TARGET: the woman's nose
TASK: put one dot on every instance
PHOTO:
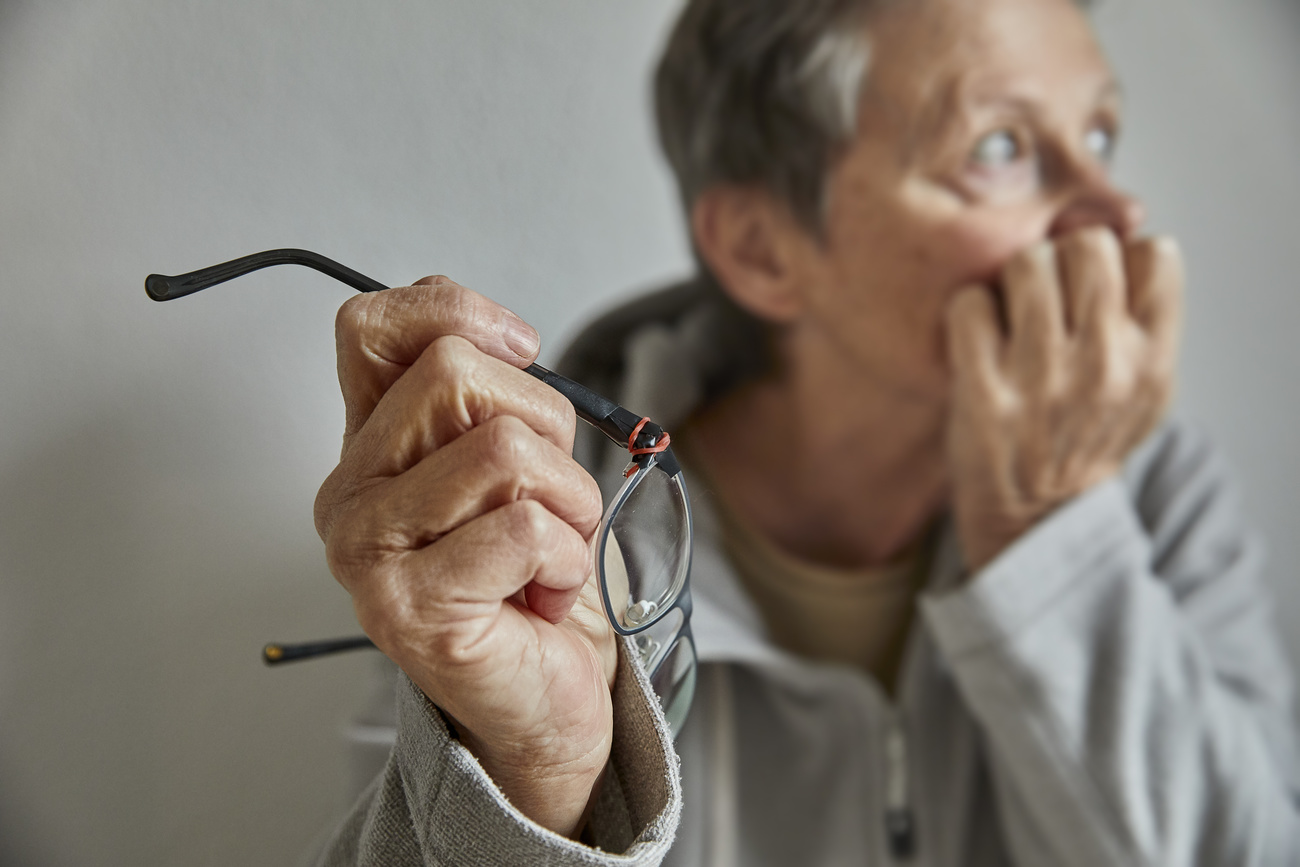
(1096, 201)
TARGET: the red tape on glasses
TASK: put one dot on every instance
(655, 449)
(652, 450)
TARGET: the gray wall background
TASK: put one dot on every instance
(158, 462)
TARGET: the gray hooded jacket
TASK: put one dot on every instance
(1109, 691)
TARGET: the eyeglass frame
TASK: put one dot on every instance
(647, 442)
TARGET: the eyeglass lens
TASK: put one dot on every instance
(674, 682)
(645, 552)
(644, 560)
(667, 651)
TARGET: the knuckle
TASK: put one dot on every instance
(381, 614)
(1113, 394)
(1049, 381)
(447, 647)
(1087, 241)
(1058, 385)
(360, 541)
(1024, 267)
(1109, 384)
(448, 353)
(329, 500)
(1003, 404)
(352, 319)
(529, 523)
(505, 441)
(568, 421)
(989, 398)
(446, 361)
(345, 551)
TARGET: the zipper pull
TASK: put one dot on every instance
(900, 827)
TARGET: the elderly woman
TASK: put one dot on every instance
(959, 597)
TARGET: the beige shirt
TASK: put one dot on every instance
(859, 617)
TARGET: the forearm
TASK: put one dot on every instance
(434, 804)
(1109, 723)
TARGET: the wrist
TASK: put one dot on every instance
(553, 790)
(988, 530)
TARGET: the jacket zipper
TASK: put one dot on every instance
(900, 828)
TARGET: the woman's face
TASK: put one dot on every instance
(985, 126)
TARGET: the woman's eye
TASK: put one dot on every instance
(996, 149)
(1100, 143)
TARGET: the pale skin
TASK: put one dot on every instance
(976, 328)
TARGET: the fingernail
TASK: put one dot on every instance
(521, 337)
(1168, 245)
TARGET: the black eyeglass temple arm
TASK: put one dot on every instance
(608, 417)
(600, 412)
(161, 287)
(275, 654)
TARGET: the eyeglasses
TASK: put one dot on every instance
(643, 546)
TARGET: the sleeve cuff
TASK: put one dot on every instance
(1090, 539)
(461, 816)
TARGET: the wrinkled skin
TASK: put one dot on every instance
(460, 523)
(977, 328)
(1051, 405)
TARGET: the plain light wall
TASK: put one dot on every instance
(158, 462)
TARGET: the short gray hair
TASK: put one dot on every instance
(763, 93)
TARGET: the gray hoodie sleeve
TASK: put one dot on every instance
(434, 805)
(1122, 663)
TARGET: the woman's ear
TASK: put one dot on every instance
(754, 248)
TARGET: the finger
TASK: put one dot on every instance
(501, 461)
(1155, 279)
(1092, 270)
(548, 603)
(974, 338)
(380, 334)
(1031, 289)
(452, 593)
(495, 556)
(450, 389)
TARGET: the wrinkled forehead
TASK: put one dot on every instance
(931, 57)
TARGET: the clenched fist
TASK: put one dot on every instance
(459, 522)
(1052, 393)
